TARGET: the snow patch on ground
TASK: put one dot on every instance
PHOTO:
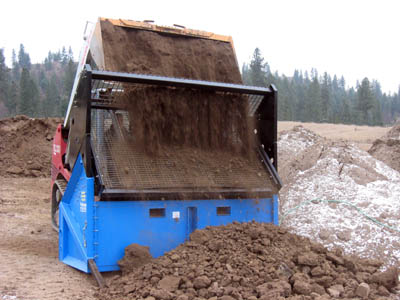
(340, 171)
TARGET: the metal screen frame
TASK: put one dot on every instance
(263, 110)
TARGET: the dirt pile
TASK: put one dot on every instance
(318, 168)
(168, 55)
(252, 261)
(291, 146)
(26, 146)
(387, 148)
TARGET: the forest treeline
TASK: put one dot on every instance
(36, 90)
(43, 90)
(314, 97)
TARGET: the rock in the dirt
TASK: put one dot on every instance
(135, 256)
(363, 290)
(15, 170)
(382, 291)
(161, 294)
(302, 287)
(199, 236)
(336, 259)
(389, 278)
(336, 290)
(274, 289)
(175, 257)
(344, 235)
(324, 234)
(299, 277)
(169, 283)
(309, 259)
(318, 289)
(201, 282)
(226, 297)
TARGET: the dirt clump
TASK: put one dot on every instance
(268, 264)
(135, 256)
(387, 148)
(26, 146)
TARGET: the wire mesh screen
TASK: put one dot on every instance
(123, 162)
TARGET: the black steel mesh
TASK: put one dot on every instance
(124, 165)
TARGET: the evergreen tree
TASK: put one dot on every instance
(25, 100)
(326, 114)
(34, 101)
(313, 103)
(23, 58)
(246, 74)
(15, 66)
(70, 54)
(68, 81)
(258, 69)
(64, 56)
(13, 96)
(365, 100)
(51, 99)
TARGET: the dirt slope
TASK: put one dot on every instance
(25, 146)
(387, 148)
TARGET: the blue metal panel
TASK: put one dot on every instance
(76, 219)
(101, 230)
(121, 223)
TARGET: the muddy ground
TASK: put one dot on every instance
(29, 266)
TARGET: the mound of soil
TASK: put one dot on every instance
(291, 144)
(148, 52)
(26, 146)
(387, 149)
(321, 169)
(251, 261)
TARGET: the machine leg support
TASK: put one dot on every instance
(95, 271)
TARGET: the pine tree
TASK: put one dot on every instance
(51, 99)
(25, 100)
(23, 58)
(34, 94)
(70, 54)
(15, 66)
(13, 96)
(246, 74)
(64, 56)
(68, 82)
(365, 100)
(326, 114)
(258, 69)
(313, 101)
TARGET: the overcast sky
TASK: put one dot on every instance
(352, 38)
